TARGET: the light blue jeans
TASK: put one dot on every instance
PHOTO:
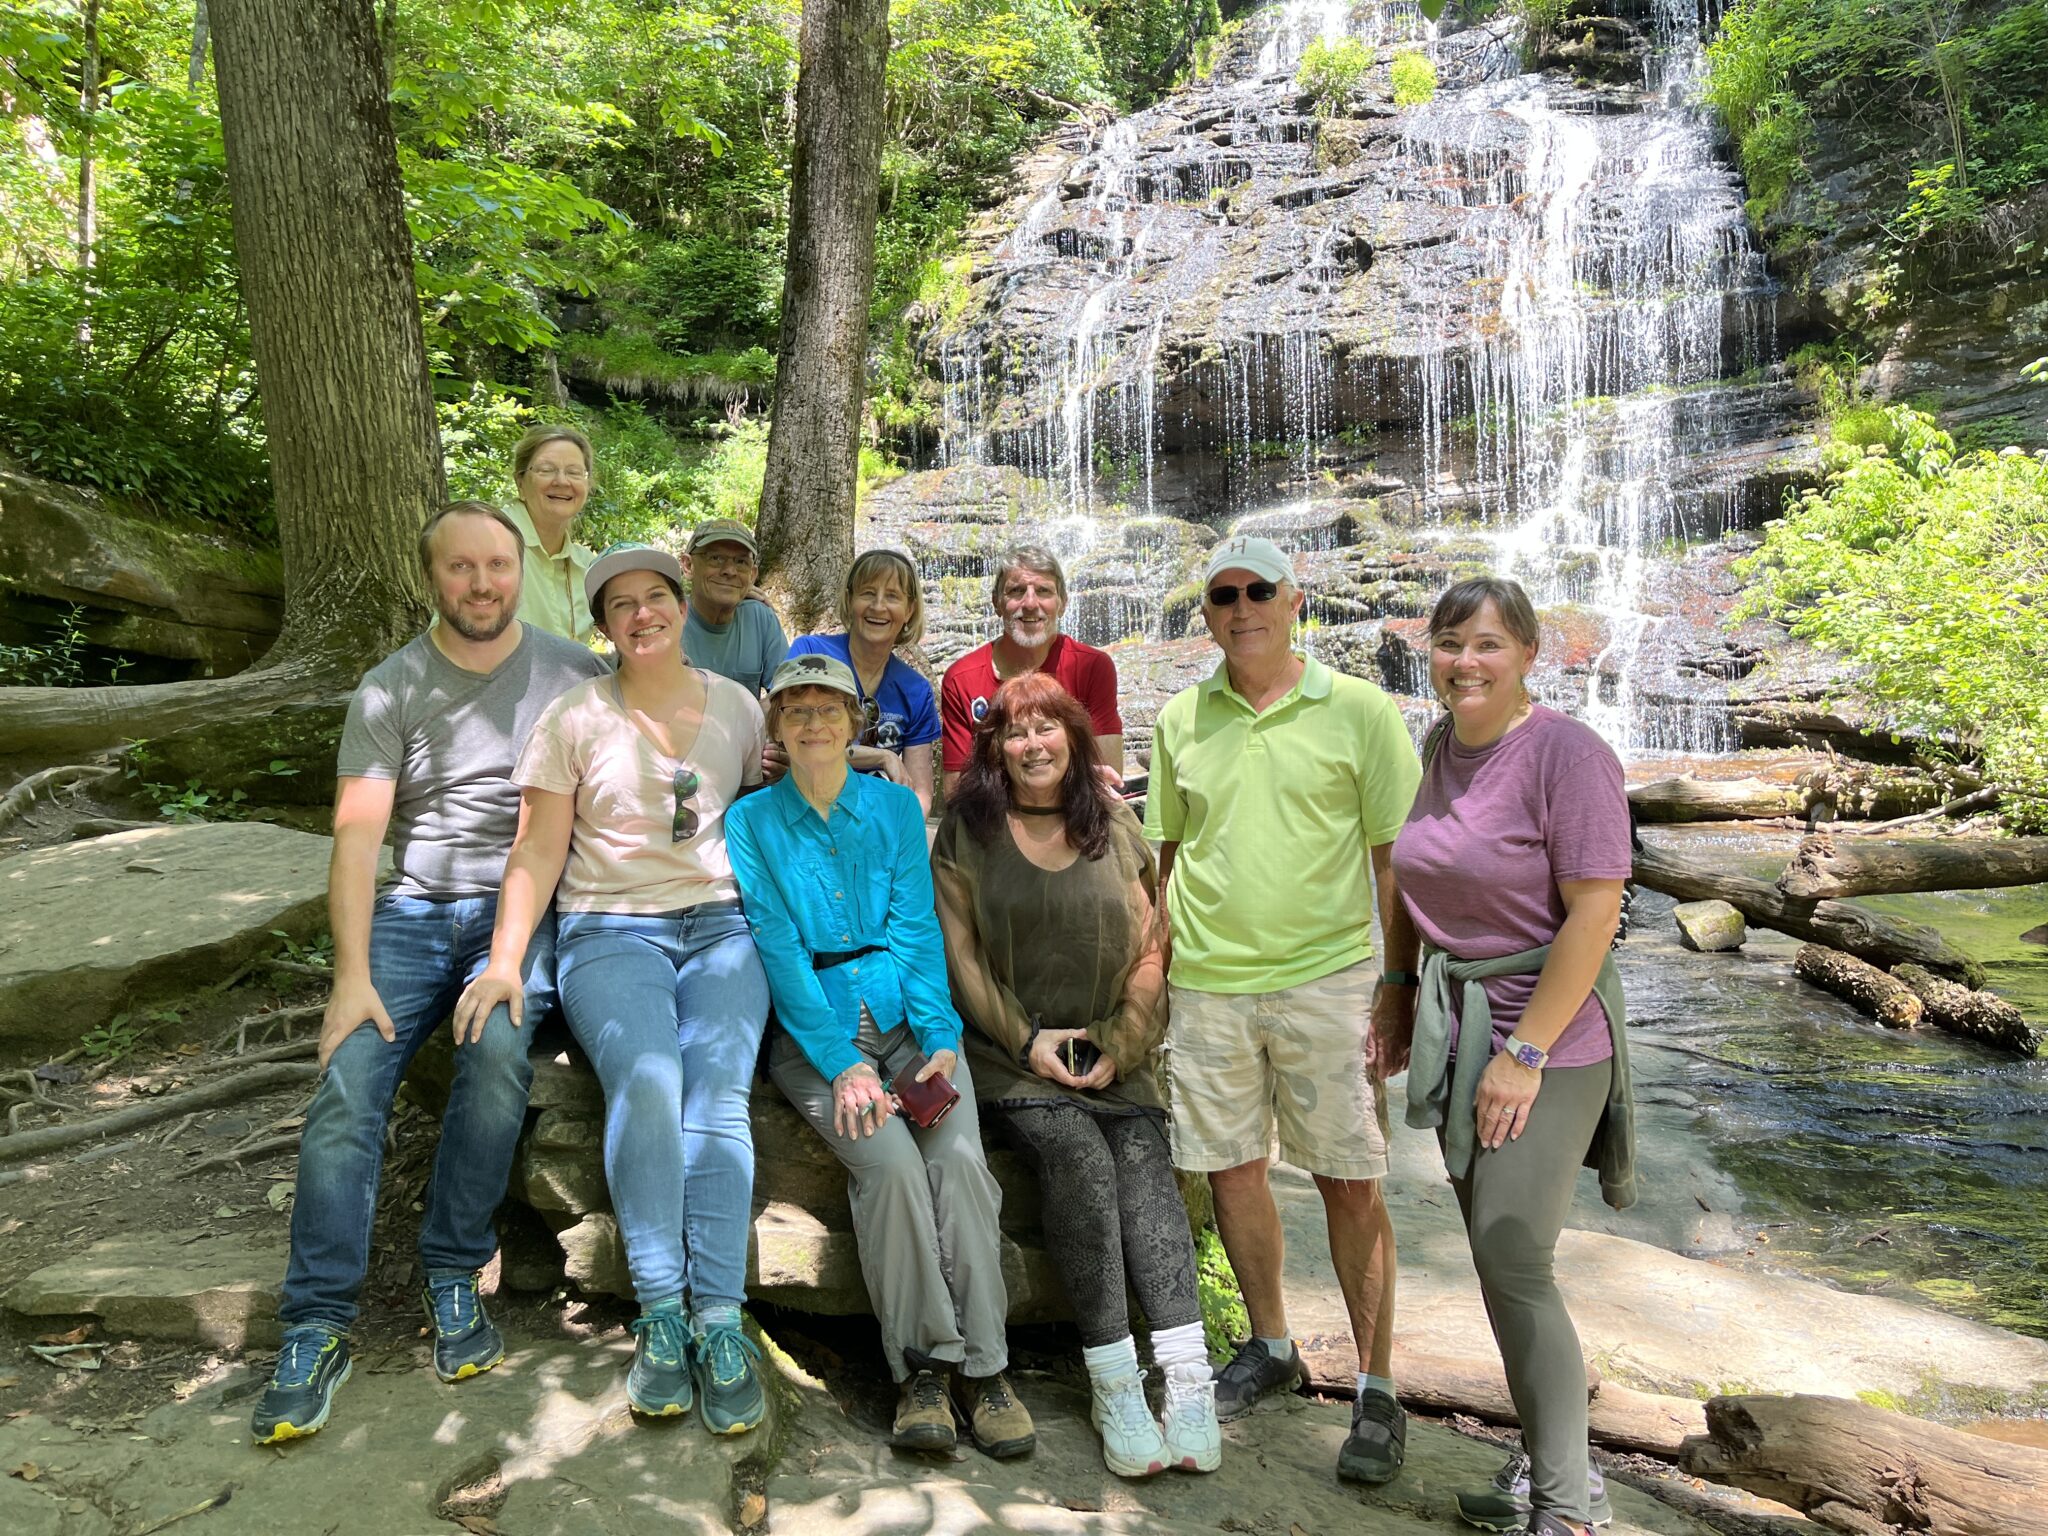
(670, 1008)
(422, 954)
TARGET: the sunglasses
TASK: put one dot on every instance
(1254, 591)
(684, 827)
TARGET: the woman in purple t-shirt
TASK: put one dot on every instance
(1510, 871)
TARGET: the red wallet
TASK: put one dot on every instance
(924, 1104)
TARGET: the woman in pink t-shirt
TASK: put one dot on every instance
(1510, 871)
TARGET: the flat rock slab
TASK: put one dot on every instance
(1278, 1477)
(545, 1442)
(88, 929)
(215, 1290)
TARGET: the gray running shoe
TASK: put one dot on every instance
(1253, 1374)
(1378, 1442)
(1504, 1506)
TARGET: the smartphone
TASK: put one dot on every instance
(1079, 1056)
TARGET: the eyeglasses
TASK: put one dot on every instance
(558, 472)
(801, 715)
(684, 827)
(739, 562)
(1254, 591)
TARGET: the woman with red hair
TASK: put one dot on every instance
(1046, 897)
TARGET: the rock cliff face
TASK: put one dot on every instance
(1521, 327)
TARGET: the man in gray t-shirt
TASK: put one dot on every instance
(427, 752)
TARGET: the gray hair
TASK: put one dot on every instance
(1027, 557)
(449, 509)
(1466, 598)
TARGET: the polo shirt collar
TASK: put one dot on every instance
(1314, 683)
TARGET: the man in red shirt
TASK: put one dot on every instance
(1029, 594)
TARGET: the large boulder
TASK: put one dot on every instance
(160, 1285)
(163, 587)
(90, 928)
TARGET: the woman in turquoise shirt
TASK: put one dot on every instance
(837, 883)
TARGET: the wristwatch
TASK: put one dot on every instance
(1398, 979)
(1532, 1057)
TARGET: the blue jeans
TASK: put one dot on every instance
(422, 954)
(670, 1008)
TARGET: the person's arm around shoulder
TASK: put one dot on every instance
(911, 931)
(362, 812)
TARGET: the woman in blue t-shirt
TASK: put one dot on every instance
(882, 607)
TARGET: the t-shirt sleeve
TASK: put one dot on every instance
(954, 724)
(1389, 770)
(808, 645)
(1098, 693)
(372, 739)
(548, 760)
(773, 643)
(1166, 813)
(922, 727)
(1587, 831)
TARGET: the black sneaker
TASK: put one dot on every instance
(1378, 1442)
(1505, 1506)
(465, 1342)
(312, 1363)
(1252, 1374)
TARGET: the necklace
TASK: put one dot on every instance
(1038, 810)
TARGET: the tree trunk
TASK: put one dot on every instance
(1827, 866)
(1984, 1017)
(327, 274)
(1854, 1467)
(1890, 1002)
(1689, 799)
(195, 67)
(1880, 940)
(806, 522)
(88, 113)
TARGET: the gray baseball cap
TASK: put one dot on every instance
(621, 558)
(1249, 552)
(814, 671)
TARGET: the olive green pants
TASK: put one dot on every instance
(1514, 1203)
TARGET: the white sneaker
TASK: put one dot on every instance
(1194, 1440)
(1131, 1445)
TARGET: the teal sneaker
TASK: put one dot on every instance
(465, 1342)
(723, 1361)
(311, 1364)
(1505, 1506)
(658, 1385)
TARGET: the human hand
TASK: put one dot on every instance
(1101, 1075)
(774, 762)
(1391, 1031)
(1110, 775)
(353, 1003)
(1048, 1058)
(939, 1061)
(473, 1008)
(1507, 1090)
(859, 1102)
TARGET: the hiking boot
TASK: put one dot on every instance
(311, 1363)
(1504, 1505)
(924, 1421)
(1001, 1425)
(658, 1385)
(1543, 1523)
(1378, 1441)
(1194, 1440)
(722, 1361)
(1131, 1443)
(1253, 1374)
(465, 1343)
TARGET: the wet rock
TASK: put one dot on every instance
(220, 1291)
(1709, 926)
(90, 928)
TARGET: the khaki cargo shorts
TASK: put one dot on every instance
(1243, 1066)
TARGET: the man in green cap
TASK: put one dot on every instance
(728, 632)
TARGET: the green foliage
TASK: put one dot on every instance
(58, 663)
(1224, 1319)
(1414, 79)
(1330, 72)
(118, 1038)
(1930, 569)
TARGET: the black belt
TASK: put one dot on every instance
(832, 957)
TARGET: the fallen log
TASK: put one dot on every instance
(1826, 867)
(1981, 1016)
(1689, 799)
(1892, 1003)
(1883, 941)
(267, 1078)
(1858, 1468)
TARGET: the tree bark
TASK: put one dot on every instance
(1984, 1017)
(1890, 1002)
(807, 495)
(327, 274)
(88, 112)
(1854, 1467)
(1880, 940)
(1689, 799)
(195, 66)
(1826, 866)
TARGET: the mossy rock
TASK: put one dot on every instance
(284, 758)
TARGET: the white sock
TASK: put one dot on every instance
(1368, 1382)
(1106, 1362)
(1279, 1348)
(1181, 1350)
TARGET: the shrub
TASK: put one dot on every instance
(1414, 79)
(1330, 72)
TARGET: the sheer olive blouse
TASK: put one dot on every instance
(1066, 949)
